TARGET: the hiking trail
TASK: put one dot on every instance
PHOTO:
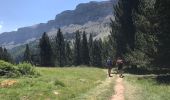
(119, 89)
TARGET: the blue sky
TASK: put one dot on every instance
(20, 13)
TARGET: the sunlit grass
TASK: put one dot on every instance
(142, 88)
(54, 84)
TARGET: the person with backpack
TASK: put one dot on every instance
(109, 66)
(119, 63)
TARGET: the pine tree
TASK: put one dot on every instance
(108, 49)
(162, 8)
(123, 29)
(60, 49)
(69, 54)
(145, 37)
(6, 56)
(97, 57)
(85, 50)
(1, 53)
(27, 55)
(77, 48)
(91, 49)
(45, 51)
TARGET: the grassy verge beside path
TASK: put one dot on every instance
(145, 88)
(104, 91)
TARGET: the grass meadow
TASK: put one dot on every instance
(60, 84)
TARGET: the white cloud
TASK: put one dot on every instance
(0, 27)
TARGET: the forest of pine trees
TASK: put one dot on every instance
(82, 51)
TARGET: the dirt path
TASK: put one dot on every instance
(119, 89)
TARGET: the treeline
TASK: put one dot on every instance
(60, 52)
(4, 55)
(141, 32)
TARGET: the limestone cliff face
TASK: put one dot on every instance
(84, 17)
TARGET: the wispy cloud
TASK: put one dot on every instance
(1, 25)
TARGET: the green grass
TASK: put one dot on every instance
(103, 91)
(55, 84)
(145, 88)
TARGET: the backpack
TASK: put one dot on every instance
(109, 62)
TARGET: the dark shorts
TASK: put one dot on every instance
(109, 66)
(120, 66)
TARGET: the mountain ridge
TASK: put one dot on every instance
(81, 15)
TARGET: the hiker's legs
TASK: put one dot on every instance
(109, 71)
(121, 73)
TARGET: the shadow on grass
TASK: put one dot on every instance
(145, 71)
(163, 79)
(160, 75)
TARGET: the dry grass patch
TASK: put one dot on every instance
(8, 83)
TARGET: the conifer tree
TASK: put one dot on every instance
(91, 49)
(60, 49)
(85, 50)
(77, 48)
(45, 51)
(123, 29)
(162, 8)
(145, 36)
(27, 55)
(97, 57)
(6, 55)
(69, 54)
(1, 53)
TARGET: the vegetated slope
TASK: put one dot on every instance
(85, 16)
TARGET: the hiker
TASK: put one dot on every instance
(119, 63)
(109, 66)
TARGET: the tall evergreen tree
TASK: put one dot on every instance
(1, 53)
(91, 49)
(163, 17)
(97, 57)
(77, 48)
(27, 54)
(60, 49)
(5, 55)
(145, 39)
(85, 50)
(123, 29)
(45, 51)
(69, 54)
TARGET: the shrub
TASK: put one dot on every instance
(8, 70)
(137, 58)
(59, 83)
(27, 69)
(23, 69)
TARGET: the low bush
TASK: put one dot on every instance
(10, 70)
(26, 69)
(59, 83)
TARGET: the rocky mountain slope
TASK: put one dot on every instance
(93, 17)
